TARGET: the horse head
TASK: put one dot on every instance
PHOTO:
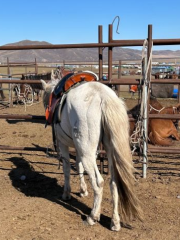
(48, 88)
(176, 108)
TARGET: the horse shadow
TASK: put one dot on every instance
(34, 184)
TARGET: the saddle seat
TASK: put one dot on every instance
(68, 82)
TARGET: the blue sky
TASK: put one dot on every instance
(68, 22)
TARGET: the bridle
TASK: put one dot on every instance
(159, 110)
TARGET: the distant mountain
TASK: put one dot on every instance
(76, 55)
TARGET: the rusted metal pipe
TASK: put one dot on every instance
(152, 149)
(114, 43)
(169, 150)
(165, 116)
(31, 81)
(115, 81)
(131, 119)
(121, 81)
(18, 116)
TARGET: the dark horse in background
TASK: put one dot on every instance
(36, 88)
(58, 73)
(1, 91)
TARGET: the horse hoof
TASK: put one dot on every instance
(66, 197)
(115, 227)
(84, 194)
(90, 221)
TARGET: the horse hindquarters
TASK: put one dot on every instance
(85, 124)
(160, 130)
(156, 139)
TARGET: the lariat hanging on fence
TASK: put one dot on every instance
(138, 138)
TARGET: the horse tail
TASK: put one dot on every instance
(116, 142)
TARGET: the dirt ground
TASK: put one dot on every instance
(31, 186)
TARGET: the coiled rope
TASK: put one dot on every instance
(139, 134)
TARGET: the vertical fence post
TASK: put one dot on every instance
(36, 67)
(145, 121)
(110, 54)
(147, 80)
(100, 78)
(100, 53)
(10, 85)
(118, 87)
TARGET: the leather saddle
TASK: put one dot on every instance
(58, 96)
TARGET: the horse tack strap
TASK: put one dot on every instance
(53, 101)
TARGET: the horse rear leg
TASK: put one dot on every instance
(115, 220)
(97, 182)
(80, 169)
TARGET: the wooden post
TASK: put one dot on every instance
(36, 67)
(10, 85)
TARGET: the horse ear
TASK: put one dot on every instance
(52, 75)
(43, 84)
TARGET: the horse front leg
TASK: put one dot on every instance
(38, 95)
(67, 189)
(63, 154)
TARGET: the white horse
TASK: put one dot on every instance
(93, 114)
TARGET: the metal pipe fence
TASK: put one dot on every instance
(120, 81)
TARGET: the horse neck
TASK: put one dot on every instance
(168, 110)
(155, 106)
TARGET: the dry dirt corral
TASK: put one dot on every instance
(33, 209)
